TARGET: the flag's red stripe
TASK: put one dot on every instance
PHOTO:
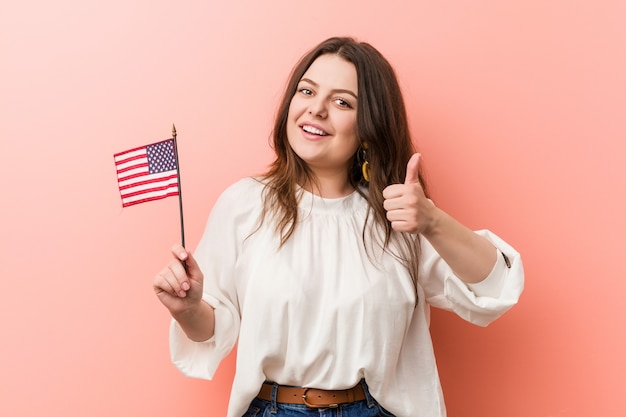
(132, 203)
(145, 164)
(132, 158)
(128, 151)
(149, 190)
(123, 187)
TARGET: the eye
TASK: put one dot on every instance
(305, 91)
(342, 103)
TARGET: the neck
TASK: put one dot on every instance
(330, 185)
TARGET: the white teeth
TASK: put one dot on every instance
(313, 130)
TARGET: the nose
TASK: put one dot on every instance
(317, 107)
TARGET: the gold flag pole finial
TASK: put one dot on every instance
(173, 130)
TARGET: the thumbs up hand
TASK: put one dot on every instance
(407, 207)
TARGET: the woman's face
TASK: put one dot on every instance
(321, 126)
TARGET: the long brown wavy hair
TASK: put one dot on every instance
(381, 122)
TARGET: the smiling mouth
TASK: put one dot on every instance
(313, 130)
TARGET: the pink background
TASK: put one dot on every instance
(518, 107)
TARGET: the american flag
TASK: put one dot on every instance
(147, 173)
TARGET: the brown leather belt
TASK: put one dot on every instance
(312, 397)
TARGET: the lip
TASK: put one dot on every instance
(312, 136)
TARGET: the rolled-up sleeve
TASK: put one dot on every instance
(479, 303)
(216, 254)
(201, 359)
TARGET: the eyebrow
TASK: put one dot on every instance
(336, 90)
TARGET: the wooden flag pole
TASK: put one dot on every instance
(180, 191)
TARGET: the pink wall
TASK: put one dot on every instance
(518, 107)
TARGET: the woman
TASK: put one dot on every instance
(323, 269)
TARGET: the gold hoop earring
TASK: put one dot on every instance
(365, 167)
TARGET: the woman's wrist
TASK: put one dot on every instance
(198, 322)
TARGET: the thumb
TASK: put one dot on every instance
(412, 169)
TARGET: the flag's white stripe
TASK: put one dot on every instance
(127, 155)
(133, 162)
(150, 186)
(122, 182)
(143, 196)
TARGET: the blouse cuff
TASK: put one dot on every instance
(492, 285)
(201, 359)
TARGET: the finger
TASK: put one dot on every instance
(166, 294)
(397, 205)
(179, 252)
(167, 282)
(402, 226)
(192, 269)
(412, 169)
(393, 191)
(179, 273)
(400, 214)
(181, 255)
(392, 204)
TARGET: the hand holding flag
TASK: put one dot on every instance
(179, 285)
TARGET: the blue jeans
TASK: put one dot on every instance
(366, 408)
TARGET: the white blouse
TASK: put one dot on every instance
(321, 311)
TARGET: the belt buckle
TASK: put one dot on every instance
(308, 404)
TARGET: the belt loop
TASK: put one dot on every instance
(370, 400)
(273, 399)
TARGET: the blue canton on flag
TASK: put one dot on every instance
(161, 157)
